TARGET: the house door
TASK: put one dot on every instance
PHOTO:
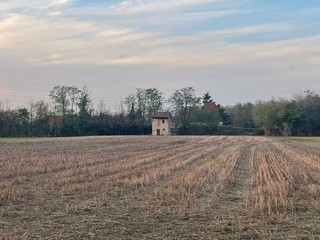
(158, 132)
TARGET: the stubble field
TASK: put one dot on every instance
(177, 187)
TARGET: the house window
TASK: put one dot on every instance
(163, 121)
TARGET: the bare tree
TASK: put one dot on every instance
(182, 101)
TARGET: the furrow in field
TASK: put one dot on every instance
(234, 197)
(277, 185)
(133, 174)
(301, 154)
(271, 190)
(37, 160)
(117, 162)
(148, 174)
(141, 173)
(224, 212)
(28, 166)
(42, 168)
(181, 193)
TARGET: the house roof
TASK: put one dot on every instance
(162, 115)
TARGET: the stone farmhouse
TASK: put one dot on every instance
(161, 123)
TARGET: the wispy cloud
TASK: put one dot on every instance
(143, 6)
(154, 13)
(63, 40)
(18, 5)
(67, 41)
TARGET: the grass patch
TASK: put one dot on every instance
(19, 139)
(305, 139)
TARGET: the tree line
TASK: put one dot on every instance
(72, 114)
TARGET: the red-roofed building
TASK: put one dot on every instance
(161, 123)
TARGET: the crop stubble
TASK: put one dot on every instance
(177, 187)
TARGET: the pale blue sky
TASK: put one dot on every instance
(239, 50)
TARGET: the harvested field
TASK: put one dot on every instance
(177, 187)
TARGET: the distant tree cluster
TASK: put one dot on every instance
(300, 116)
(72, 114)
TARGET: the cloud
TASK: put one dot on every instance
(164, 18)
(31, 4)
(67, 41)
(147, 6)
(59, 39)
(154, 14)
(298, 51)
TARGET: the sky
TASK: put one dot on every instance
(238, 50)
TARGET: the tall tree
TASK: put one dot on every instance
(292, 119)
(142, 104)
(66, 99)
(154, 101)
(60, 96)
(225, 118)
(10, 125)
(182, 101)
(310, 102)
(131, 102)
(206, 98)
(73, 94)
(268, 115)
(241, 115)
(41, 120)
(24, 121)
(85, 111)
(209, 114)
